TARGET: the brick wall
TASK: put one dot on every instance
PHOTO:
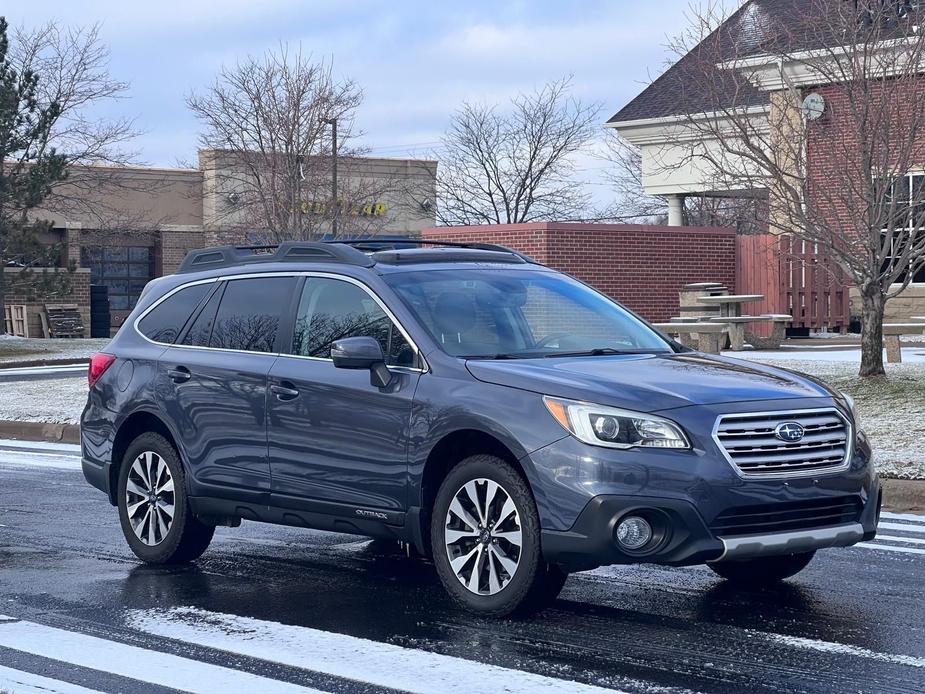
(79, 294)
(643, 267)
(172, 247)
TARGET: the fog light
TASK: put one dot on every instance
(634, 532)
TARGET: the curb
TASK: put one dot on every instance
(40, 431)
(903, 496)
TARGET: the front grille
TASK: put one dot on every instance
(751, 445)
(761, 519)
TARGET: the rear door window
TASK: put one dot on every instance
(164, 322)
(248, 317)
(200, 330)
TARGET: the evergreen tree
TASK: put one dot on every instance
(29, 166)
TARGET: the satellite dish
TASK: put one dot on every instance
(813, 106)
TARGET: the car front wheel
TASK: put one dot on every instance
(485, 535)
(153, 508)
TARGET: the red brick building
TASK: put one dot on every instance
(642, 266)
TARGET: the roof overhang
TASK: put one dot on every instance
(680, 128)
(816, 67)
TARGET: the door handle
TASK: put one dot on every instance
(179, 375)
(284, 391)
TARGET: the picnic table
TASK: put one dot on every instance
(730, 305)
(705, 337)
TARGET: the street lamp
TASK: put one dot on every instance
(333, 123)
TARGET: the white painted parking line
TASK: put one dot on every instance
(373, 662)
(154, 667)
(18, 682)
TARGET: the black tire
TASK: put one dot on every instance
(534, 584)
(186, 537)
(764, 570)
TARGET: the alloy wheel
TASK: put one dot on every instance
(149, 498)
(483, 536)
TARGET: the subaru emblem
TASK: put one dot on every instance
(790, 432)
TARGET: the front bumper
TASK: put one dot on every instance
(682, 537)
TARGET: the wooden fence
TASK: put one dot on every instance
(795, 279)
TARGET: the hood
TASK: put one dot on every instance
(649, 383)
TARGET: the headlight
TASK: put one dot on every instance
(600, 425)
(852, 408)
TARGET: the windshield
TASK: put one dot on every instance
(491, 314)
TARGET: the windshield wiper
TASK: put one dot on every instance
(602, 351)
(503, 355)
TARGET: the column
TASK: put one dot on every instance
(675, 210)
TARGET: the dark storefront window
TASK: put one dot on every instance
(125, 270)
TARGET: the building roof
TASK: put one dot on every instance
(758, 27)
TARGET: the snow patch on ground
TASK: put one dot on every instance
(52, 400)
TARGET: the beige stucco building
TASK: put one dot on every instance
(124, 226)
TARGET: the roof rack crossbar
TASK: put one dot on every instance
(374, 244)
(290, 251)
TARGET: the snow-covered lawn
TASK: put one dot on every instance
(51, 400)
(15, 349)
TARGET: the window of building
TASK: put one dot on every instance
(330, 310)
(124, 269)
(908, 219)
(249, 314)
(165, 321)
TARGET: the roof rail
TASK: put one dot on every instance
(289, 251)
(374, 244)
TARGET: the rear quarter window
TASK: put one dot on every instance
(164, 322)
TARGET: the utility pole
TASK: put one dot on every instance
(333, 123)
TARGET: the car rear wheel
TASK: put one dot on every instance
(485, 535)
(763, 570)
(153, 508)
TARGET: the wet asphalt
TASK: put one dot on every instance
(853, 621)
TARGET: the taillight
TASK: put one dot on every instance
(99, 362)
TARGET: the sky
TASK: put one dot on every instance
(416, 60)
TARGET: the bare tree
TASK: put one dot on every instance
(269, 120)
(514, 165)
(843, 179)
(73, 64)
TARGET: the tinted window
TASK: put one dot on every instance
(249, 314)
(200, 330)
(164, 323)
(330, 310)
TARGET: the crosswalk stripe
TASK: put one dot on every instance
(19, 682)
(914, 517)
(891, 548)
(154, 667)
(897, 538)
(902, 526)
(349, 657)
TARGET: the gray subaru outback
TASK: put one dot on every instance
(505, 420)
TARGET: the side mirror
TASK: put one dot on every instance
(362, 353)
